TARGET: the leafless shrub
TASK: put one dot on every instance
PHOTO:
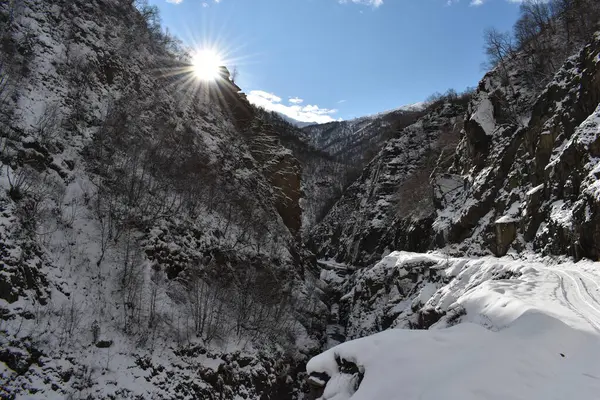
(38, 196)
(4, 80)
(69, 321)
(261, 306)
(95, 330)
(205, 304)
(19, 182)
(48, 123)
(131, 283)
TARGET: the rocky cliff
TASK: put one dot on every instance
(390, 205)
(521, 176)
(530, 164)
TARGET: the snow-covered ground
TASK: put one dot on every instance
(531, 331)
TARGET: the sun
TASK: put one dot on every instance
(206, 64)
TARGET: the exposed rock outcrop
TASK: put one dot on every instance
(391, 205)
(530, 164)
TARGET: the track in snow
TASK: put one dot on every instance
(575, 288)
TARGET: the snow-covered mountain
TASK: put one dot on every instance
(356, 141)
(508, 311)
(389, 206)
(149, 224)
(162, 238)
(295, 122)
(349, 146)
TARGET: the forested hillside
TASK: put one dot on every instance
(147, 217)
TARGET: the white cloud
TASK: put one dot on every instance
(374, 3)
(270, 97)
(477, 3)
(308, 113)
(204, 3)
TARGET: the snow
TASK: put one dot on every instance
(561, 213)
(535, 189)
(521, 315)
(511, 215)
(64, 253)
(469, 362)
(484, 116)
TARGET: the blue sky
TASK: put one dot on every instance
(342, 59)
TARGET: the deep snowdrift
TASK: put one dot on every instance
(541, 343)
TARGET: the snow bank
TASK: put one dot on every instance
(542, 338)
(538, 357)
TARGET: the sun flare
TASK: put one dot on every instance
(206, 64)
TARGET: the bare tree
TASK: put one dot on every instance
(131, 282)
(539, 12)
(498, 48)
(48, 123)
(234, 74)
(69, 321)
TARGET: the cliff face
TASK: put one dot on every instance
(282, 170)
(530, 165)
(522, 175)
(390, 205)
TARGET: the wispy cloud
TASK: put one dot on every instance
(307, 113)
(373, 3)
(204, 3)
(477, 3)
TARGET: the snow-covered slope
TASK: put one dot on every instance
(524, 182)
(537, 358)
(504, 328)
(148, 224)
(356, 141)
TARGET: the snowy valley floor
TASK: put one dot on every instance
(535, 335)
